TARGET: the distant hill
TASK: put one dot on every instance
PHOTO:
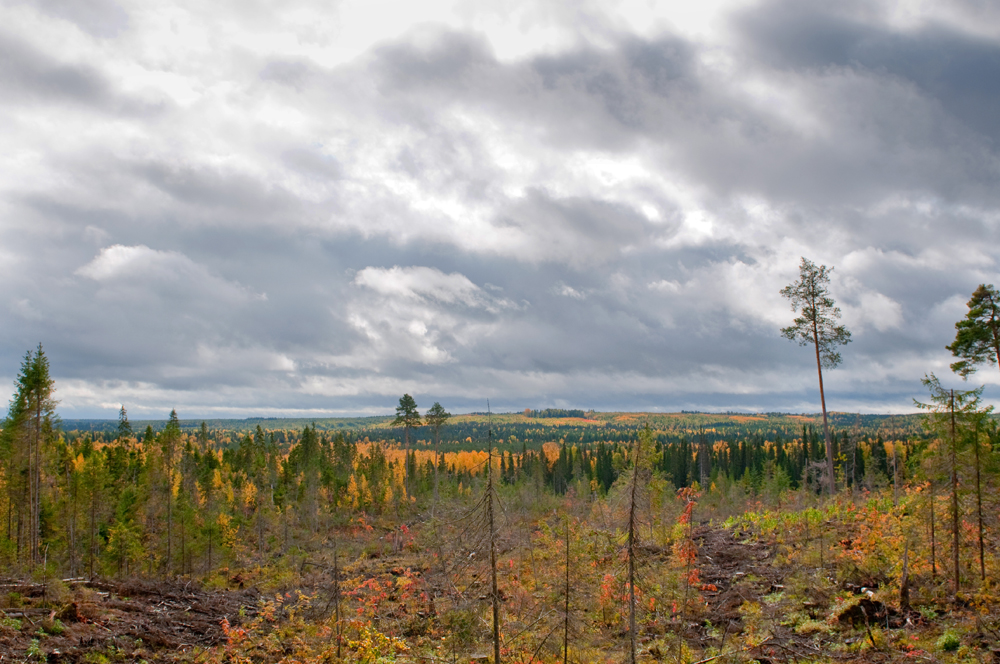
(247, 424)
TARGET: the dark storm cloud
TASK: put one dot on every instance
(589, 96)
(960, 71)
(875, 128)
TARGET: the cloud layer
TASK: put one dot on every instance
(292, 208)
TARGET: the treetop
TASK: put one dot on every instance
(977, 336)
(817, 324)
(407, 414)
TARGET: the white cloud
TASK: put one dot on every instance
(421, 283)
(419, 314)
(576, 199)
(566, 290)
(875, 310)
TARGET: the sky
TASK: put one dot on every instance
(302, 208)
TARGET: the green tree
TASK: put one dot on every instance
(817, 325)
(124, 431)
(953, 416)
(977, 340)
(169, 439)
(407, 416)
(94, 478)
(436, 418)
(29, 427)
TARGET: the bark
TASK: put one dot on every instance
(954, 497)
(566, 605)
(631, 557)
(493, 552)
(933, 541)
(336, 599)
(437, 461)
(979, 511)
(822, 400)
(36, 516)
(904, 582)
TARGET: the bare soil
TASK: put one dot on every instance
(132, 619)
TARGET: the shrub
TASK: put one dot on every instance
(949, 642)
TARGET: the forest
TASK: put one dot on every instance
(546, 535)
(679, 537)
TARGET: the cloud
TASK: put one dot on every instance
(140, 269)
(422, 315)
(314, 208)
(422, 283)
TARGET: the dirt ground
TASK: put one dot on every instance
(792, 610)
(744, 570)
(133, 619)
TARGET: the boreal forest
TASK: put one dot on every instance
(546, 535)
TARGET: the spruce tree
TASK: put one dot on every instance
(28, 429)
(436, 418)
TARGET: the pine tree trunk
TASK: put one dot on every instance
(336, 599)
(437, 460)
(170, 519)
(979, 511)
(933, 539)
(93, 529)
(895, 473)
(566, 604)
(36, 517)
(493, 553)
(954, 497)
(71, 526)
(826, 425)
(633, 645)
(904, 582)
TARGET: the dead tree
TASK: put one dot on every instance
(495, 595)
(954, 495)
(979, 506)
(566, 605)
(632, 543)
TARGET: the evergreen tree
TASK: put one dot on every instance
(977, 339)
(817, 325)
(953, 418)
(124, 428)
(436, 418)
(407, 416)
(29, 428)
(169, 439)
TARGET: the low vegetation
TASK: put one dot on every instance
(320, 545)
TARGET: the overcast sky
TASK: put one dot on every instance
(243, 208)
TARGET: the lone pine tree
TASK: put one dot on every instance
(817, 325)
